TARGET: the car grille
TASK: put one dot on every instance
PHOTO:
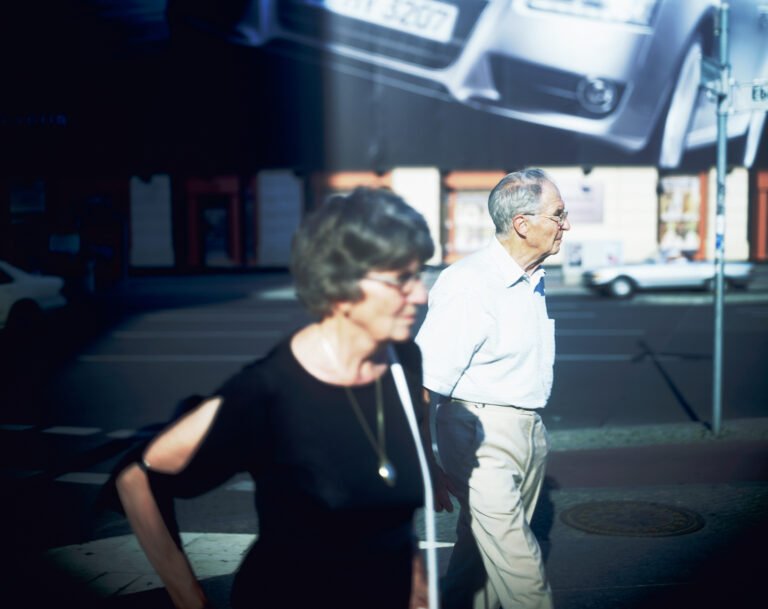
(532, 88)
(320, 25)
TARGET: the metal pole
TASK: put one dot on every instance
(722, 125)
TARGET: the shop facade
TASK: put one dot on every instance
(96, 231)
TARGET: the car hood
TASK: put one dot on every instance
(40, 285)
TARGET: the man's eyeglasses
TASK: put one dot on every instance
(404, 282)
(559, 219)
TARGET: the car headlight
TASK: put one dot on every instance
(638, 12)
(597, 276)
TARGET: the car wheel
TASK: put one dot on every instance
(24, 315)
(621, 287)
(682, 104)
(709, 285)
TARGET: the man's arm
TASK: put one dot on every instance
(443, 487)
(454, 329)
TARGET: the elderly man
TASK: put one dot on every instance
(488, 346)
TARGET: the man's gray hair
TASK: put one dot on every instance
(516, 193)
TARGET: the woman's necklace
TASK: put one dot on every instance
(386, 469)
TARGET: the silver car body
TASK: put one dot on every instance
(613, 69)
(18, 287)
(658, 274)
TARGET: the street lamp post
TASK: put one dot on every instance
(723, 99)
(716, 79)
(731, 97)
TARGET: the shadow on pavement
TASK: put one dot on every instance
(30, 355)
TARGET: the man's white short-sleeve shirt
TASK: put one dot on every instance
(487, 336)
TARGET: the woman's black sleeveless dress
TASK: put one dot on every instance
(331, 532)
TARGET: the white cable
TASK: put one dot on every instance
(429, 505)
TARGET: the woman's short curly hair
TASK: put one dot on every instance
(348, 236)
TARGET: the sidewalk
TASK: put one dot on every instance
(656, 526)
(654, 516)
(650, 516)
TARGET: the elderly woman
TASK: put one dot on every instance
(319, 425)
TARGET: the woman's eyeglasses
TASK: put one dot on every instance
(404, 282)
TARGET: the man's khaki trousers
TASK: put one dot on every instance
(495, 457)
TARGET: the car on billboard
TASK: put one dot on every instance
(626, 72)
(623, 280)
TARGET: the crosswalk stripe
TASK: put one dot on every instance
(277, 294)
(124, 434)
(254, 315)
(619, 357)
(243, 485)
(21, 474)
(15, 427)
(84, 478)
(144, 334)
(594, 357)
(423, 545)
(101, 478)
(157, 359)
(600, 332)
(66, 430)
(211, 555)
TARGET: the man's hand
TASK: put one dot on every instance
(443, 488)
(442, 485)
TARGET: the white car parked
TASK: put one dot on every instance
(622, 281)
(24, 296)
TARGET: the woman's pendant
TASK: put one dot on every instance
(387, 472)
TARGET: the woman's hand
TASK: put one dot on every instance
(419, 587)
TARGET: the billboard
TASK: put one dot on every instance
(549, 81)
(375, 84)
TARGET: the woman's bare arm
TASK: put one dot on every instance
(168, 453)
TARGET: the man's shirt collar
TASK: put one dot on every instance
(509, 270)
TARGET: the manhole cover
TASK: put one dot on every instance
(632, 519)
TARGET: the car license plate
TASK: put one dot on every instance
(423, 18)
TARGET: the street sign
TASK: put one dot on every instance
(751, 96)
(760, 93)
(711, 75)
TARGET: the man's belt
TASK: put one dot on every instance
(484, 404)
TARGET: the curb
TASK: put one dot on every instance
(661, 298)
(743, 430)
